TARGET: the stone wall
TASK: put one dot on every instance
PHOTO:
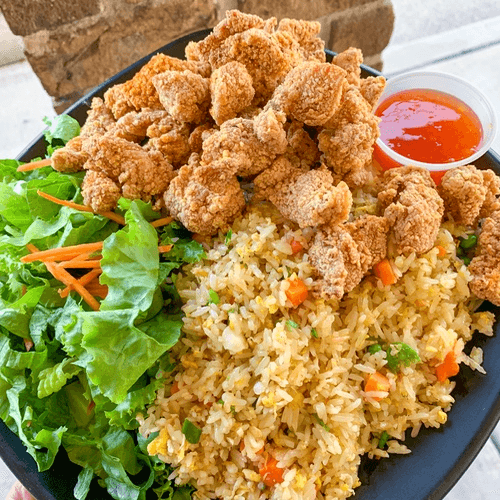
(75, 45)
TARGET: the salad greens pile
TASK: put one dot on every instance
(71, 376)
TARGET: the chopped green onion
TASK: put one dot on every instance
(214, 297)
(320, 422)
(291, 324)
(405, 355)
(229, 235)
(314, 333)
(384, 437)
(460, 251)
(466, 260)
(233, 410)
(191, 432)
(374, 348)
(469, 242)
(220, 402)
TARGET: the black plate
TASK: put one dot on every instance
(438, 458)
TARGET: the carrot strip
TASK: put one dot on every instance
(62, 253)
(83, 208)
(84, 281)
(270, 473)
(441, 251)
(80, 264)
(296, 246)
(64, 277)
(377, 382)
(162, 222)
(383, 271)
(297, 292)
(165, 248)
(95, 288)
(34, 165)
(448, 368)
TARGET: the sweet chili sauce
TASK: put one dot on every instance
(429, 126)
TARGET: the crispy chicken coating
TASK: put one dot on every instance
(171, 139)
(302, 151)
(485, 266)
(311, 93)
(138, 174)
(269, 128)
(70, 158)
(413, 208)
(238, 147)
(307, 198)
(343, 254)
(348, 139)
(134, 126)
(231, 91)
(195, 141)
(99, 192)
(184, 94)
(205, 198)
(139, 92)
(371, 89)
(117, 101)
(350, 60)
(492, 201)
(305, 34)
(99, 119)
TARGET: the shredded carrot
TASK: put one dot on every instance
(297, 292)
(64, 277)
(80, 264)
(82, 208)
(90, 407)
(162, 222)
(448, 368)
(174, 388)
(84, 281)
(270, 473)
(62, 253)
(441, 251)
(165, 248)
(34, 165)
(296, 246)
(383, 271)
(377, 382)
(98, 290)
(28, 344)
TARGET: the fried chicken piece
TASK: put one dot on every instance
(171, 139)
(261, 55)
(371, 89)
(348, 139)
(269, 128)
(485, 266)
(413, 208)
(231, 91)
(184, 94)
(70, 158)
(343, 254)
(134, 126)
(139, 92)
(99, 192)
(311, 93)
(204, 198)
(307, 198)
(492, 201)
(139, 174)
(100, 119)
(350, 60)
(305, 33)
(235, 22)
(237, 145)
(302, 151)
(117, 101)
(195, 141)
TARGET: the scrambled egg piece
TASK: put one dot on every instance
(159, 445)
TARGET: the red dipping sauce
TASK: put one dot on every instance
(428, 126)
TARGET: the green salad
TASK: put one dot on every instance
(70, 375)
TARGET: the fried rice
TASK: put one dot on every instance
(261, 378)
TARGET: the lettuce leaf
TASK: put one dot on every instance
(61, 128)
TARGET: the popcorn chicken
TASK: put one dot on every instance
(350, 60)
(231, 91)
(413, 208)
